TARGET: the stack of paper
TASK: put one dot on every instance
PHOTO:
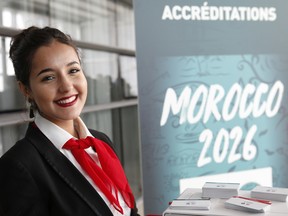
(201, 204)
(220, 190)
(189, 203)
(247, 204)
(270, 193)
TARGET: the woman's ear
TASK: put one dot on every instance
(27, 94)
(24, 89)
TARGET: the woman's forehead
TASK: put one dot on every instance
(54, 53)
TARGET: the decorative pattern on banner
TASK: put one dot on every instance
(212, 94)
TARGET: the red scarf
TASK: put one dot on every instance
(111, 177)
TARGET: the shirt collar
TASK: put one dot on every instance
(56, 134)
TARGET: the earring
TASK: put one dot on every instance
(31, 112)
(31, 108)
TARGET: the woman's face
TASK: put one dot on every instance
(57, 83)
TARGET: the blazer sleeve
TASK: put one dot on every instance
(19, 193)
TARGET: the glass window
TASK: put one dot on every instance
(111, 77)
(100, 69)
(9, 135)
(10, 97)
(86, 20)
(22, 14)
(1, 68)
(128, 72)
(125, 27)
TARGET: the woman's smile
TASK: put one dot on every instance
(67, 101)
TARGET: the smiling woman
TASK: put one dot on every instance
(66, 168)
(57, 84)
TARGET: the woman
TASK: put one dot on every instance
(53, 170)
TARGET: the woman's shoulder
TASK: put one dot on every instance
(100, 135)
(19, 151)
(18, 160)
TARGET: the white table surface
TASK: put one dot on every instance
(217, 207)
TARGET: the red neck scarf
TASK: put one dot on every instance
(111, 178)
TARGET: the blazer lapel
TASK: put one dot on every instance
(67, 171)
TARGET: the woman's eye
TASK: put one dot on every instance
(47, 78)
(75, 70)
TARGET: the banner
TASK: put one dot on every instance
(212, 78)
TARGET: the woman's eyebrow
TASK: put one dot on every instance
(44, 71)
(50, 69)
(72, 63)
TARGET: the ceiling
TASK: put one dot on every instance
(79, 10)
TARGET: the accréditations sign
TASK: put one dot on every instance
(212, 79)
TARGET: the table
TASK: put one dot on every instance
(217, 207)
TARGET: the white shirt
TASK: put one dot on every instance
(59, 137)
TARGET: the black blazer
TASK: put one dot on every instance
(36, 179)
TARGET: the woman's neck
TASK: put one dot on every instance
(67, 125)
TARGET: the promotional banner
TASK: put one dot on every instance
(213, 78)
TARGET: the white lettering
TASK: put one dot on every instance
(205, 103)
(215, 96)
(276, 94)
(167, 14)
(214, 13)
(175, 105)
(200, 92)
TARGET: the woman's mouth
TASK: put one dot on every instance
(67, 101)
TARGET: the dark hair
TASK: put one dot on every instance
(25, 44)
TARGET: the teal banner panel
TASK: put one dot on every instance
(213, 80)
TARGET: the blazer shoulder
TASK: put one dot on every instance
(100, 135)
(19, 149)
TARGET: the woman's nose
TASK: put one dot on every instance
(65, 84)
